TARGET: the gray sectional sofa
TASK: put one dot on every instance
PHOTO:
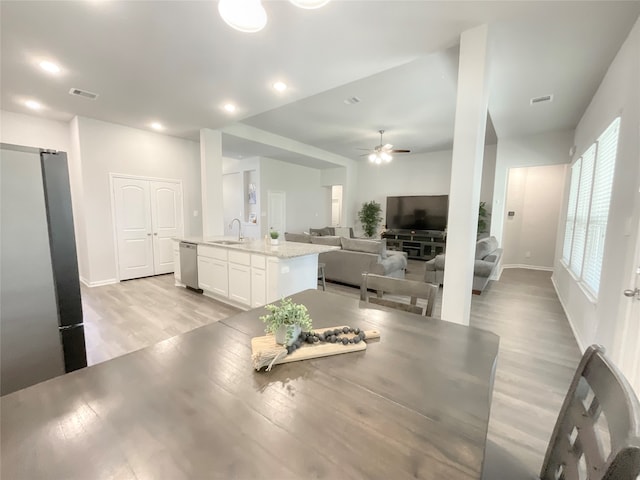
(355, 257)
(487, 260)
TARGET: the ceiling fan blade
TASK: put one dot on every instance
(388, 146)
(401, 151)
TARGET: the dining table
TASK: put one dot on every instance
(414, 404)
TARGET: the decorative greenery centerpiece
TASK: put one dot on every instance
(274, 236)
(370, 216)
(286, 321)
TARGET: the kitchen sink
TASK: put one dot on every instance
(225, 242)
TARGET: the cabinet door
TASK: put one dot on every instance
(240, 283)
(219, 277)
(205, 273)
(258, 287)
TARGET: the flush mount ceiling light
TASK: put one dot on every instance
(280, 86)
(309, 4)
(157, 126)
(230, 107)
(33, 105)
(50, 67)
(244, 15)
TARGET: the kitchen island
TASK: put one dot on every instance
(251, 273)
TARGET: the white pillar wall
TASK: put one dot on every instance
(466, 175)
(211, 177)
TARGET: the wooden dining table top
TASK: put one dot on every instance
(414, 404)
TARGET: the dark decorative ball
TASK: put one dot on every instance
(289, 349)
(345, 341)
(321, 337)
(298, 343)
(315, 339)
(303, 336)
(363, 335)
(333, 339)
(337, 331)
(356, 339)
(328, 333)
(356, 330)
(345, 330)
(309, 339)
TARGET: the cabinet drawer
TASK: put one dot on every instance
(241, 258)
(258, 261)
(212, 252)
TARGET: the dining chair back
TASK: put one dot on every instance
(396, 286)
(597, 434)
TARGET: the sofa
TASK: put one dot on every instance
(486, 262)
(354, 257)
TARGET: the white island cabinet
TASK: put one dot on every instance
(252, 274)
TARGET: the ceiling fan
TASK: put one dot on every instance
(382, 153)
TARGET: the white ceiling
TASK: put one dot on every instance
(178, 63)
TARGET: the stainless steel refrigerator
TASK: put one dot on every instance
(41, 322)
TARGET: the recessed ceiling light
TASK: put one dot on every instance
(157, 126)
(244, 15)
(50, 67)
(33, 105)
(309, 4)
(280, 86)
(230, 107)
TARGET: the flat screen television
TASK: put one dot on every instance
(419, 212)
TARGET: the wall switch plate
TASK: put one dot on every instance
(511, 214)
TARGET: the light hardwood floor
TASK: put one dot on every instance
(538, 353)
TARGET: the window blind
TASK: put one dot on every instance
(582, 211)
(571, 211)
(607, 147)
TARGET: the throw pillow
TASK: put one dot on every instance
(357, 245)
(485, 247)
(326, 240)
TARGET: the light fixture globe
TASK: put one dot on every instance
(247, 16)
(309, 4)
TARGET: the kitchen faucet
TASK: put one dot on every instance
(239, 228)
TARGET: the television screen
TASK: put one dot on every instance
(423, 212)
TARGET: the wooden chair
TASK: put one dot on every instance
(397, 286)
(597, 434)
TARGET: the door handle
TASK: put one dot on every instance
(148, 234)
(155, 234)
(632, 293)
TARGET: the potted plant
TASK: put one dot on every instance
(483, 216)
(370, 216)
(286, 321)
(274, 237)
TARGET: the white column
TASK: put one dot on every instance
(211, 177)
(466, 175)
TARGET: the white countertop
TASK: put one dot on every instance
(283, 250)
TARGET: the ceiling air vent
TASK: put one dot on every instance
(543, 99)
(352, 100)
(83, 93)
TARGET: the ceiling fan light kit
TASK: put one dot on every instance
(382, 153)
(249, 16)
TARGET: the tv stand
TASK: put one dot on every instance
(418, 244)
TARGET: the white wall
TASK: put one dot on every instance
(415, 174)
(33, 131)
(108, 148)
(535, 195)
(235, 195)
(618, 94)
(308, 201)
(551, 148)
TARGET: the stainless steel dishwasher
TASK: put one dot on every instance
(189, 265)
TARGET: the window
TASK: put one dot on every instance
(588, 208)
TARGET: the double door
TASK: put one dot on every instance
(148, 214)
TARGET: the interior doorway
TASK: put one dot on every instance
(336, 205)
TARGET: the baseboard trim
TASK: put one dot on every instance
(101, 283)
(529, 267)
(580, 343)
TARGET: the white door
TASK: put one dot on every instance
(277, 207)
(133, 227)
(166, 215)
(630, 338)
